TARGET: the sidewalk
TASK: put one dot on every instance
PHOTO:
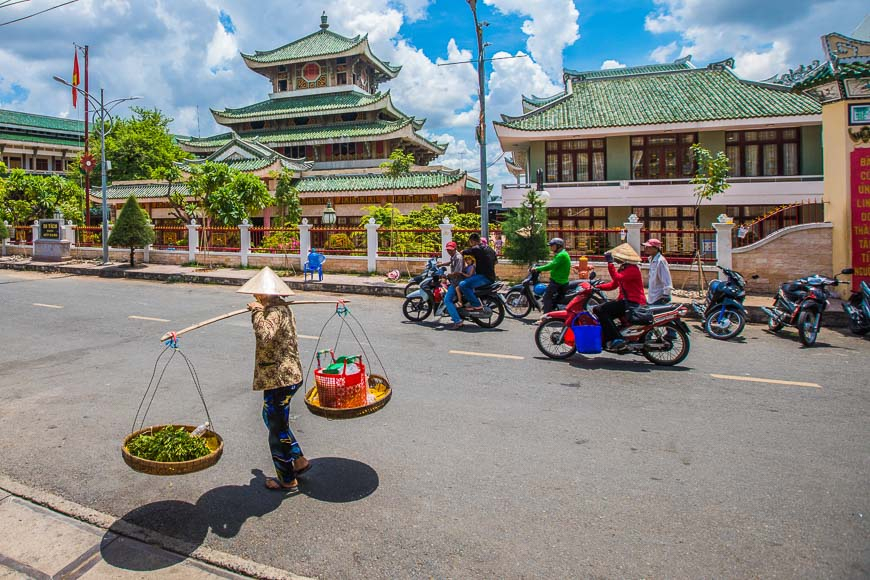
(42, 543)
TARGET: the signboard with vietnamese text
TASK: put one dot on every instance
(861, 215)
(50, 229)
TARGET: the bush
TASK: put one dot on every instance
(280, 240)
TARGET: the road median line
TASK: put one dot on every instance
(134, 317)
(487, 354)
(768, 381)
(47, 305)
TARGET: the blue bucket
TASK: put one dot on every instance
(587, 337)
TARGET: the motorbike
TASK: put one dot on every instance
(858, 309)
(427, 271)
(722, 311)
(661, 336)
(801, 303)
(429, 298)
(528, 295)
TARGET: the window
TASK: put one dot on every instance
(347, 117)
(341, 78)
(282, 85)
(770, 152)
(662, 156)
(42, 164)
(576, 160)
(673, 225)
(295, 151)
(575, 225)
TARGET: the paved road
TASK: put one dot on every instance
(478, 467)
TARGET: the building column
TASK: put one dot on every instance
(267, 218)
(245, 244)
(5, 240)
(372, 245)
(723, 229)
(192, 240)
(446, 236)
(632, 232)
(69, 233)
(35, 229)
(304, 241)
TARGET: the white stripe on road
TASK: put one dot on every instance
(308, 336)
(770, 381)
(487, 354)
(47, 305)
(148, 318)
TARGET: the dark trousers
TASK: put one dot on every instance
(553, 295)
(607, 312)
(282, 444)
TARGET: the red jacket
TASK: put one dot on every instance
(628, 280)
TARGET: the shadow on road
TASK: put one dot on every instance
(224, 510)
(579, 361)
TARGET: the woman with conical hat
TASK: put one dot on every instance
(628, 279)
(277, 372)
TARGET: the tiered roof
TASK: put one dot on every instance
(378, 181)
(249, 155)
(27, 127)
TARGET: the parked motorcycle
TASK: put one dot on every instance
(427, 272)
(722, 312)
(858, 309)
(429, 298)
(528, 295)
(661, 337)
(801, 303)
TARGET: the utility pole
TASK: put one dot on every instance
(87, 173)
(481, 126)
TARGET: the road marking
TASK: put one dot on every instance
(487, 354)
(770, 381)
(148, 318)
(308, 336)
(47, 305)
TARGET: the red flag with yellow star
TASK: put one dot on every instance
(75, 79)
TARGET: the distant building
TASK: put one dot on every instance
(39, 144)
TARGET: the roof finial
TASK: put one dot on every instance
(323, 23)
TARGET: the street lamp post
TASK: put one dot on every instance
(481, 127)
(103, 109)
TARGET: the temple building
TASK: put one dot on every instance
(617, 142)
(39, 144)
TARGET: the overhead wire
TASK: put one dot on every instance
(35, 13)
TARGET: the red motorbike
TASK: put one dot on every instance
(654, 332)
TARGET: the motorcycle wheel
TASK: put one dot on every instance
(546, 337)
(856, 328)
(773, 325)
(807, 329)
(731, 325)
(411, 287)
(416, 309)
(679, 346)
(517, 304)
(497, 315)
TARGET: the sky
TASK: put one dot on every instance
(182, 56)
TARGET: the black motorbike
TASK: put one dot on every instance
(722, 312)
(858, 309)
(431, 295)
(430, 269)
(528, 295)
(801, 303)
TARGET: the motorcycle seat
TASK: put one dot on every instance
(480, 291)
(794, 291)
(659, 308)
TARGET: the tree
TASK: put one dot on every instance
(525, 230)
(238, 198)
(397, 166)
(4, 231)
(24, 197)
(426, 218)
(710, 179)
(131, 228)
(287, 198)
(177, 201)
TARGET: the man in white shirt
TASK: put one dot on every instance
(660, 284)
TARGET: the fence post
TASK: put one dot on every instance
(632, 232)
(35, 229)
(146, 251)
(245, 242)
(446, 236)
(192, 240)
(372, 245)
(723, 228)
(5, 239)
(304, 241)
(69, 234)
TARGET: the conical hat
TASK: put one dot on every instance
(625, 253)
(266, 282)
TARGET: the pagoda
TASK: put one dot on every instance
(326, 119)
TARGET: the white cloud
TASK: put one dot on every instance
(222, 49)
(663, 53)
(611, 64)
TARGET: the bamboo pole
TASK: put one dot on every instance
(178, 333)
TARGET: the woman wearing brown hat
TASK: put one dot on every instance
(628, 279)
(277, 372)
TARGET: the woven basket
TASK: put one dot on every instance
(378, 386)
(178, 467)
(344, 391)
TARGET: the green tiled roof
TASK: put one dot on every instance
(30, 138)
(686, 96)
(41, 121)
(211, 141)
(827, 73)
(377, 181)
(629, 70)
(541, 101)
(141, 190)
(294, 106)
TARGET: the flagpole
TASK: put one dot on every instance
(87, 173)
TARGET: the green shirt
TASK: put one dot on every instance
(560, 267)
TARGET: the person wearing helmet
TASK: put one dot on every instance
(454, 261)
(560, 270)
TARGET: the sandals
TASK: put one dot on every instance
(275, 485)
(306, 465)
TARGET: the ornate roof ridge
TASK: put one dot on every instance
(352, 43)
(680, 64)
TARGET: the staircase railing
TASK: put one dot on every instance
(807, 212)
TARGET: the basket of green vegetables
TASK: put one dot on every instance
(171, 450)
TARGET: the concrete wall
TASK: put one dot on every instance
(787, 254)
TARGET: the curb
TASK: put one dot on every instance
(126, 529)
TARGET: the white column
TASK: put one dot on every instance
(632, 233)
(5, 239)
(192, 240)
(35, 229)
(245, 245)
(446, 236)
(723, 244)
(146, 251)
(69, 233)
(372, 245)
(304, 241)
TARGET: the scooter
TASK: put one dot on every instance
(801, 304)
(858, 309)
(722, 312)
(427, 272)
(418, 305)
(528, 295)
(657, 333)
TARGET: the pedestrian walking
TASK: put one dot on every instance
(660, 284)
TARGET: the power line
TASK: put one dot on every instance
(485, 60)
(7, 3)
(37, 13)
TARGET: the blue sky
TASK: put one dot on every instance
(183, 57)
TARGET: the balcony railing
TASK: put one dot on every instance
(683, 181)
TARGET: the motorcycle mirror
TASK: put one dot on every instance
(755, 276)
(592, 275)
(848, 271)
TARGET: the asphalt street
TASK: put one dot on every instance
(514, 467)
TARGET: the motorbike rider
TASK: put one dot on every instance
(660, 284)
(455, 258)
(560, 270)
(628, 279)
(485, 275)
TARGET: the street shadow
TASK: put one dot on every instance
(579, 361)
(338, 480)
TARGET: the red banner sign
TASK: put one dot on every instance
(861, 215)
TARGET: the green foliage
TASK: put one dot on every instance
(25, 198)
(399, 163)
(226, 195)
(712, 173)
(4, 231)
(339, 242)
(170, 445)
(526, 231)
(287, 198)
(179, 208)
(131, 229)
(395, 225)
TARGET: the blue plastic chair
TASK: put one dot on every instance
(314, 264)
